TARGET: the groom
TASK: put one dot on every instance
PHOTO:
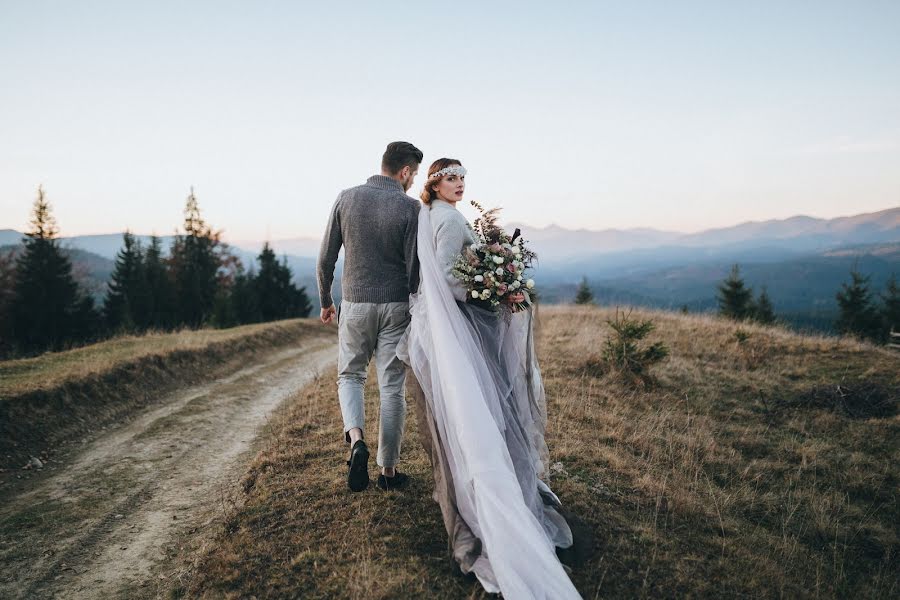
(376, 224)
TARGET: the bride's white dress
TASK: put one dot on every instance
(483, 388)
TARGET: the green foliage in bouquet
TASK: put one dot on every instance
(494, 267)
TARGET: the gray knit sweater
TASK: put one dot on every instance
(376, 223)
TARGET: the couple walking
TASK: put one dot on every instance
(472, 373)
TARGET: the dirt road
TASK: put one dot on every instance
(112, 519)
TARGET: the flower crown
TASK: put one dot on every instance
(451, 170)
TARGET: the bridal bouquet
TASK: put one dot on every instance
(494, 267)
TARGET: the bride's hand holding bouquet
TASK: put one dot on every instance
(494, 269)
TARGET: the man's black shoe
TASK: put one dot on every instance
(358, 474)
(392, 483)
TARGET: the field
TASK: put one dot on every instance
(756, 462)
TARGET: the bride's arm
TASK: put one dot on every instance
(450, 236)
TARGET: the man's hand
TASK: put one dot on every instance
(327, 315)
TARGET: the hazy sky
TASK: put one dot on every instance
(672, 115)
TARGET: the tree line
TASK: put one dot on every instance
(860, 313)
(198, 283)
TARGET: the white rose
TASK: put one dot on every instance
(486, 294)
(479, 278)
(499, 271)
(498, 260)
(474, 294)
(515, 285)
(519, 277)
(529, 284)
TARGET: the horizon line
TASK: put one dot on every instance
(539, 228)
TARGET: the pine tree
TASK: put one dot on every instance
(763, 310)
(47, 308)
(127, 303)
(584, 295)
(223, 314)
(86, 322)
(7, 294)
(161, 313)
(268, 285)
(299, 299)
(195, 266)
(891, 308)
(276, 295)
(735, 300)
(244, 302)
(858, 316)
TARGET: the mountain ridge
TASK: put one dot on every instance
(799, 232)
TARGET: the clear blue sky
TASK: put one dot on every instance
(673, 115)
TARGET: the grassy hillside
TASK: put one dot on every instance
(763, 467)
(50, 398)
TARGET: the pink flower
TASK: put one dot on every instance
(495, 247)
(511, 267)
(502, 289)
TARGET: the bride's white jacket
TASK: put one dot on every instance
(452, 233)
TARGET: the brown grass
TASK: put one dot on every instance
(52, 398)
(51, 369)
(746, 468)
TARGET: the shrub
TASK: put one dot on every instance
(624, 350)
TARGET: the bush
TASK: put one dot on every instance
(623, 349)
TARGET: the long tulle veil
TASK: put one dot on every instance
(480, 377)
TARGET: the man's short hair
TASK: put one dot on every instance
(399, 155)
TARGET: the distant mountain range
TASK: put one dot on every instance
(801, 260)
(793, 235)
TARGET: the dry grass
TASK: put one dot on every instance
(762, 465)
(49, 399)
(51, 369)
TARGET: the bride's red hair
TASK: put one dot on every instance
(428, 194)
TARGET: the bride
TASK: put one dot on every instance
(484, 413)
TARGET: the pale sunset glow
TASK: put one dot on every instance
(675, 116)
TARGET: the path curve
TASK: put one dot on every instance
(109, 522)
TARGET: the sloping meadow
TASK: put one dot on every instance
(753, 462)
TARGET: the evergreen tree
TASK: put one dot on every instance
(195, 264)
(891, 308)
(735, 300)
(7, 294)
(858, 316)
(269, 285)
(763, 310)
(299, 299)
(224, 314)
(127, 299)
(48, 311)
(86, 321)
(244, 301)
(584, 295)
(276, 295)
(161, 312)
